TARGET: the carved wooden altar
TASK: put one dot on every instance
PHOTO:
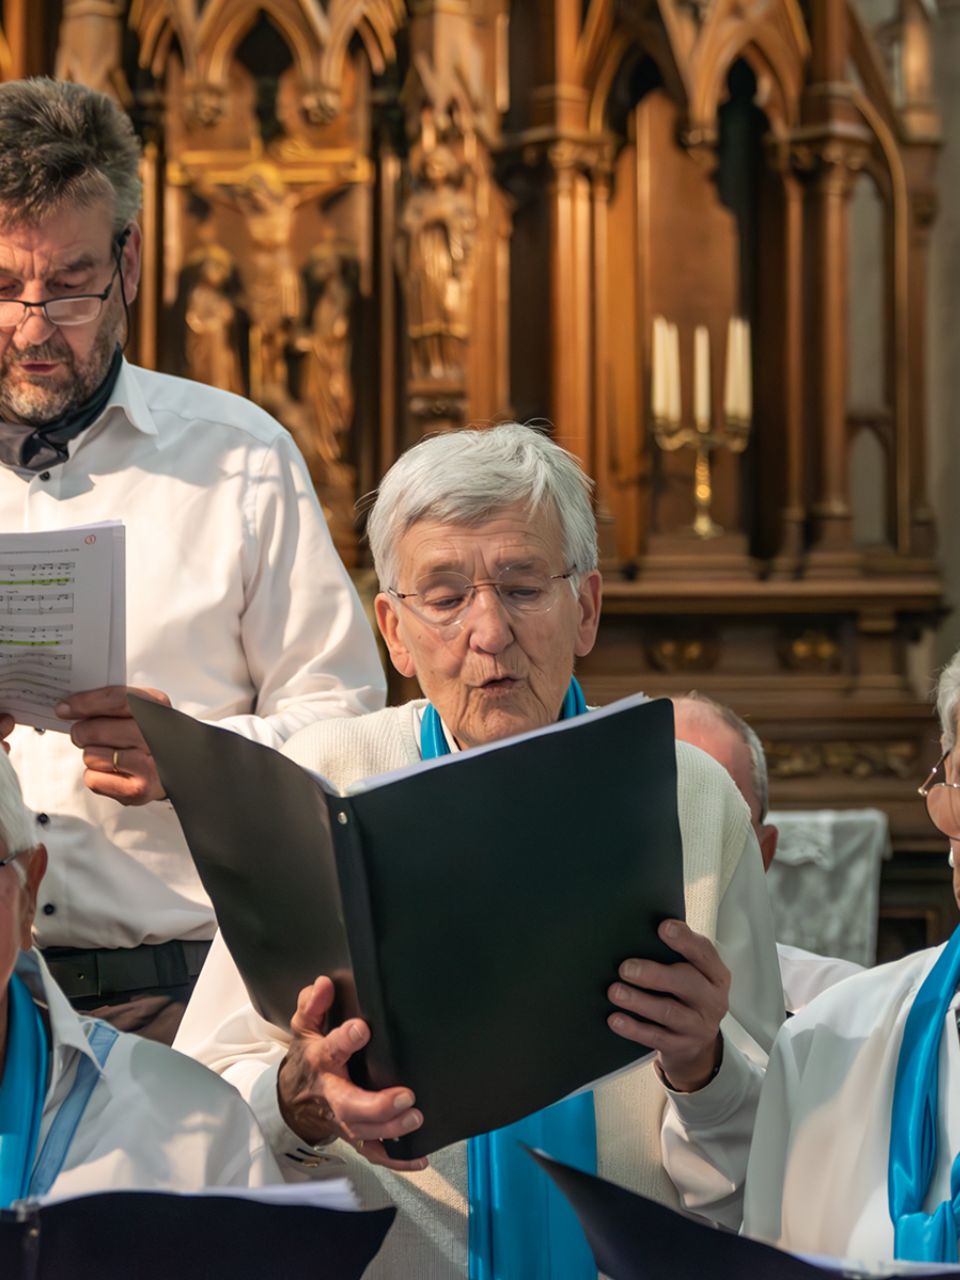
(379, 219)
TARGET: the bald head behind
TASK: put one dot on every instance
(722, 734)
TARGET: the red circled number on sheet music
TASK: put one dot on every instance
(90, 539)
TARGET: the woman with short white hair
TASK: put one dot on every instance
(485, 548)
(84, 1107)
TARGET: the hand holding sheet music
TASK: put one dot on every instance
(116, 758)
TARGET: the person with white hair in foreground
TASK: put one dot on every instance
(485, 548)
(84, 1107)
(855, 1150)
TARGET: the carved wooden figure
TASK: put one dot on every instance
(510, 194)
(212, 336)
(328, 344)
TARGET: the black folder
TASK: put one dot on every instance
(155, 1236)
(473, 910)
(633, 1238)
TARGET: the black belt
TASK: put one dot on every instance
(109, 971)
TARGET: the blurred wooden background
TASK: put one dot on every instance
(380, 219)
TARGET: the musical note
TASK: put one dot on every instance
(36, 602)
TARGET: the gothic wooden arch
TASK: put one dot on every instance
(777, 57)
(319, 40)
(605, 45)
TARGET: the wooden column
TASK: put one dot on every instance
(833, 144)
(558, 113)
(920, 522)
(558, 102)
(828, 347)
(600, 470)
(437, 224)
(924, 139)
(25, 33)
(794, 513)
(562, 291)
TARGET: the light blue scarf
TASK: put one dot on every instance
(919, 1236)
(521, 1227)
(22, 1090)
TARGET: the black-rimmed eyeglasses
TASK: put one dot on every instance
(443, 600)
(943, 801)
(79, 308)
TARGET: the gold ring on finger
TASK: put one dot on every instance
(116, 760)
(359, 1145)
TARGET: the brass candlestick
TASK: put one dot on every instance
(733, 434)
(728, 430)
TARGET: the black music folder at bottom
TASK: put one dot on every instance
(633, 1238)
(152, 1236)
(473, 910)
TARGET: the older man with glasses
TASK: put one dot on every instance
(485, 547)
(856, 1150)
(238, 608)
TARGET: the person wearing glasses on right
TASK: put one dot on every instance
(855, 1148)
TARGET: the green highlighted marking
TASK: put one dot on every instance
(33, 644)
(34, 582)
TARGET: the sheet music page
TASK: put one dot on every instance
(62, 618)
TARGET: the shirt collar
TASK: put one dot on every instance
(128, 399)
(66, 1027)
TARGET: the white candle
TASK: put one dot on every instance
(730, 373)
(747, 365)
(673, 379)
(701, 378)
(658, 370)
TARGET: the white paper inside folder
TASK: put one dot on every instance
(333, 1192)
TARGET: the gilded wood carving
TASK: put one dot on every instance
(380, 218)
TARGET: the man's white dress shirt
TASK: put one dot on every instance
(155, 1119)
(238, 608)
(817, 1177)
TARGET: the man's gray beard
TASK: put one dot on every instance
(38, 404)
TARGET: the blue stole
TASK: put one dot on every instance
(521, 1227)
(23, 1087)
(919, 1236)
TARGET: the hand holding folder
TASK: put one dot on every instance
(459, 906)
(318, 1099)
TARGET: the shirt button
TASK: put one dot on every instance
(44, 475)
(49, 909)
(43, 818)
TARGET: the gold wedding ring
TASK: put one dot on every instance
(359, 1145)
(116, 760)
